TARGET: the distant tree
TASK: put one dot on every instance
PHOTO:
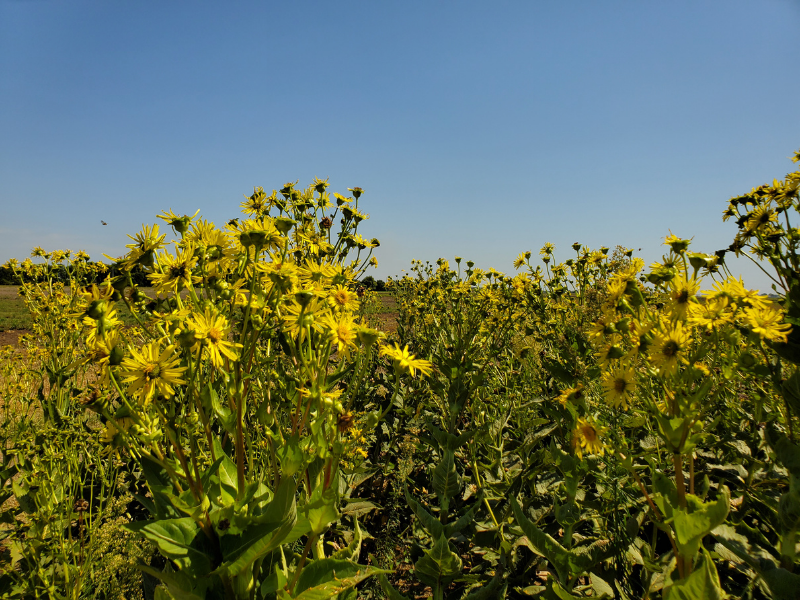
(368, 282)
(380, 285)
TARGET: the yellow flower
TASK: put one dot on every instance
(619, 386)
(669, 348)
(520, 260)
(298, 319)
(760, 216)
(766, 322)
(586, 438)
(710, 314)
(341, 330)
(343, 299)
(682, 293)
(152, 370)
(175, 271)
(213, 330)
(571, 394)
(734, 290)
(405, 362)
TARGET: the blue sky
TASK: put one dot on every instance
(480, 129)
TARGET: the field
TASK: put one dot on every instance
(255, 424)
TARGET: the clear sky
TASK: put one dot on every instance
(480, 129)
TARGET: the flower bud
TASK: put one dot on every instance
(96, 309)
(187, 338)
(116, 356)
(284, 224)
(303, 297)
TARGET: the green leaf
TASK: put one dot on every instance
(323, 579)
(496, 588)
(465, 519)
(175, 586)
(213, 406)
(353, 549)
(788, 454)
(584, 558)
(783, 584)
(322, 510)
(544, 544)
(691, 527)
(439, 566)
(180, 540)
(357, 508)
(702, 584)
(160, 488)
(388, 589)
(274, 525)
(445, 479)
(431, 524)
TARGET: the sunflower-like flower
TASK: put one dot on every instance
(152, 370)
(766, 322)
(146, 242)
(712, 313)
(212, 329)
(257, 204)
(298, 318)
(343, 300)
(761, 216)
(571, 395)
(682, 294)
(341, 330)
(669, 348)
(176, 271)
(405, 362)
(619, 386)
(586, 437)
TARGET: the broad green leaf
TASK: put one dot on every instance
(788, 454)
(431, 524)
(495, 589)
(322, 510)
(323, 579)
(160, 488)
(465, 519)
(702, 584)
(585, 558)
(439, 566)
(691, 527)
(353, 549)
(560, 593)
(175, 586)
(783, 584)
(301, 527)
(544, 544)
(278, 520)
(358, 508)
(180, 540)
(445, 479)
(388, 589)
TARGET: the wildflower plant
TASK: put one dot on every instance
(233, 391)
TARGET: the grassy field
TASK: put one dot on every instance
(13, 314)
